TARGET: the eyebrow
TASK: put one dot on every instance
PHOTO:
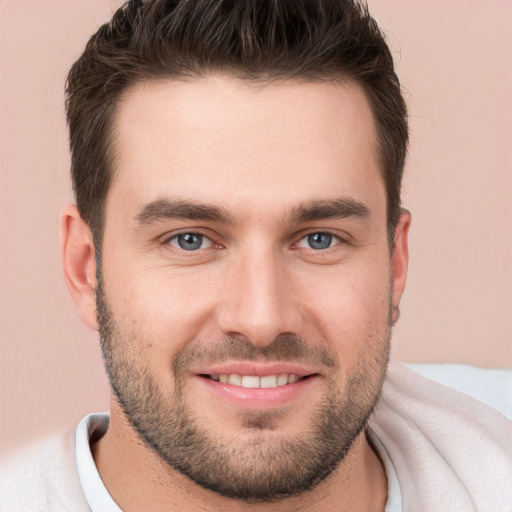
(163, 209)
(341, 208)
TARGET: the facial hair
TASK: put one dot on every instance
(259, 466)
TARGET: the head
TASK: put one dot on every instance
(260, 41)
(237, 166)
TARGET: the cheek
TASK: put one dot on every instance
(165, 308)
(351, 309)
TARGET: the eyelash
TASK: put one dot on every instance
(167, 241)
(333, 238)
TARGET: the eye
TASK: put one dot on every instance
(190, 241)
(318, 241)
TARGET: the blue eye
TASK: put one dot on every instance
(190, 241)
(318, 241)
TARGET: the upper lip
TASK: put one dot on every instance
(254, 368)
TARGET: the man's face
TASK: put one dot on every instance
(246, 289)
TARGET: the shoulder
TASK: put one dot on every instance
(447, 432)
(42, 477)
(492, 387)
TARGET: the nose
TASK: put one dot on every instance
(258, 301)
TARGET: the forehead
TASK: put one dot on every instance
(221, 137)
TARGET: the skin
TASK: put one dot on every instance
(249, 150)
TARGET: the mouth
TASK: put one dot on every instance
(255, 381)
(258, 387)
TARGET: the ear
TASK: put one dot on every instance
(400, 261)
(79, 264)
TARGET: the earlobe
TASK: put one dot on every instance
(400, 261)
(78, 263)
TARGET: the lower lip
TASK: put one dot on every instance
(259, 398)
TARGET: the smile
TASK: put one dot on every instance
(258, 387)
(254, 381)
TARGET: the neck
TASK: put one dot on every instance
(138, 479)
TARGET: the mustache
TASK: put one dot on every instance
(284, 348)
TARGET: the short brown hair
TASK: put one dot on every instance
(256, 40)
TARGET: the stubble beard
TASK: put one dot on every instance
(259, 466)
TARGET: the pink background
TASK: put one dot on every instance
(454, 58)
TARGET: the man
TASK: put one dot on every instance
(239, 244)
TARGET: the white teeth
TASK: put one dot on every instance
(282, 379)
(269, 381)
(235, 379)
(253, 381)
(250, 381)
